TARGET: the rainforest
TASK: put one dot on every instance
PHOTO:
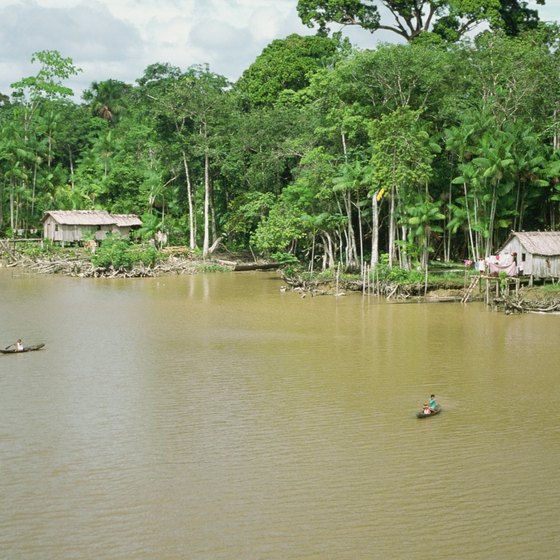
(320, 153)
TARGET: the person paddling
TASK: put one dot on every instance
(433, 403)
(19, 345)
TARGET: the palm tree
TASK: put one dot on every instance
(107, 99)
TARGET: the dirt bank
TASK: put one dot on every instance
(540, 299)
(77, 262)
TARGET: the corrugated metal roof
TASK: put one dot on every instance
(92, 218)
(546, 243)
(127, 220)
(81, 217)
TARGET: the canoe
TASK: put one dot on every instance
(422, 415)
(25, 349)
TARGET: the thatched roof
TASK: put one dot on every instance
(546, 243)
(92, 218)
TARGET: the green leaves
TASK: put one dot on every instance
(119, 254)
(285, 65)
(401, 155)
(279, 230)
(345, 12)
(48, 81)
(411, 19)
(319, 151)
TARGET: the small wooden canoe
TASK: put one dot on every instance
(25, 349)
(433, 413)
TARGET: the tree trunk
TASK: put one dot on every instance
(446, 232)
(71, 162)
(474, 252)
(329, 253)
(312, 261)
(493, 205)
(351, 251)
(192, 221)
(12, 212)
(374, 231)
(392, 229)
(206, 242)
(361, 238)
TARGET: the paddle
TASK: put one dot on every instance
(8, 347)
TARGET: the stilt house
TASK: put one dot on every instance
(537, 253)
(73, 226)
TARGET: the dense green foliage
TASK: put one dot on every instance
(286, 65)
(386, 157)
(120, 254)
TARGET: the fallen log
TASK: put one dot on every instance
(227, 263)
(256, 266)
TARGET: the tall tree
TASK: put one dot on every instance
(285, 64)
(401, 161)
(451, 20)
(193, 105)
(32, 134)
(107, 99)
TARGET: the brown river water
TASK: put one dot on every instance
(216, 417)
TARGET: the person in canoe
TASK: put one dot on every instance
(426, 410)
(19, 345)
(433, 403)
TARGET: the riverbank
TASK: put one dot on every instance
(527, 299)
(536, 299)
(435, 288)
(78, 262)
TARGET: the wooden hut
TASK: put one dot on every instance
(537, 253)
(73, 226)
(126, 222)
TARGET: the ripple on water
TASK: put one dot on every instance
(213, 419)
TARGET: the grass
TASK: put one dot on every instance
(550, 288)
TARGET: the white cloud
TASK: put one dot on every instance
(119, 39)
(89, 34)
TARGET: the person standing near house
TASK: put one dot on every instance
(481, 266)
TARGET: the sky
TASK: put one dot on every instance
(119, 39)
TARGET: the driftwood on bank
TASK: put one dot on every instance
(177, 262)
(392, 291)
(512, 305)
(83, 268)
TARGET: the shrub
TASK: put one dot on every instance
(120, 254)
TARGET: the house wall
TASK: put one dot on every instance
(64, 233)
(514, 246)
(102, 232)
(546, 267)
(124, 231)
(49, 229)
(533, 265)
(58, 232)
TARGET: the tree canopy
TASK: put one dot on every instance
(409, 19)
(320, 152)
